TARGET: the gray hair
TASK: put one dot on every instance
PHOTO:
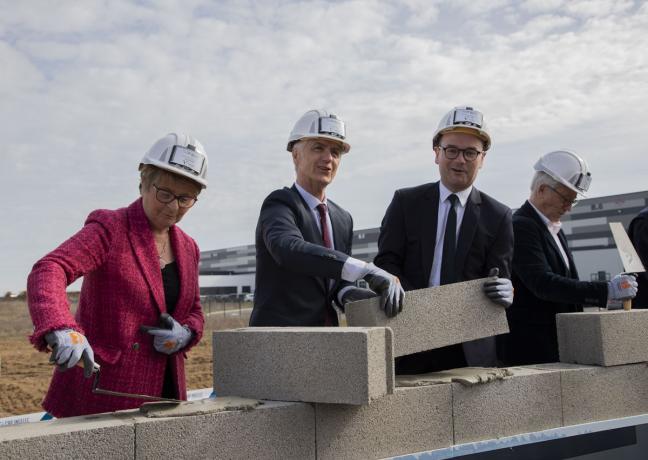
(542, 178)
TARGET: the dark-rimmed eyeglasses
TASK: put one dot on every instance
(166, 197)
(452, 152)
(566, 200)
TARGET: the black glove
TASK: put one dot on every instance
(499, 290)
(388, 286)
(356, 293)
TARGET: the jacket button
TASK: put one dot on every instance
(135, 346)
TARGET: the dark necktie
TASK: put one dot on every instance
(326, 233)
(329, 313)
(448, 269)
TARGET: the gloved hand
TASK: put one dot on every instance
(622, 287)
(171, 338)
(356, 293)
(388, 286)
(499, 290)
(68, 347)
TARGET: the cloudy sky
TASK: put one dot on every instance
(87, 87)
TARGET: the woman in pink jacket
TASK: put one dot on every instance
(137, 264)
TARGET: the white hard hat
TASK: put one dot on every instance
(463, 119)
(567, 168)
(179, 154)
(318, 124)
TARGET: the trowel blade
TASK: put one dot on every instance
(629, 257)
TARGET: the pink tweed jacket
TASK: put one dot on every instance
(122, 289)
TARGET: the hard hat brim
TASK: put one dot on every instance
(345, 146)
(466, 130)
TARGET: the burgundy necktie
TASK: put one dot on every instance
(326, 233)
(329, 313)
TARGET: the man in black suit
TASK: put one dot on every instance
(544, 274)
(303, 239)
(448, 231)
(638, 233)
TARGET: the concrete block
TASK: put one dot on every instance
(435, 317)
(591, 393)
(528, 400)
(311, 364)
(605, 338)
(275, 430)
(410, 420)
(93, 436)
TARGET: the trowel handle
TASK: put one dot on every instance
(95, 366)
(627, 304)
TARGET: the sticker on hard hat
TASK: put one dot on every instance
(468, 117)
(187, 159)
(332, 126)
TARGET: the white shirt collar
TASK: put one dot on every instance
(553, 227)
(311, 200)
(463, 195)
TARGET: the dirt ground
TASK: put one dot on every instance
(25, 373)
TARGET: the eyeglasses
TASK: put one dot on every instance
(573, 202)
(166, 197)
(451, 153)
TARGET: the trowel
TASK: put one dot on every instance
(629, 257)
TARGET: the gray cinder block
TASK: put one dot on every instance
(605, 338)
(410, 420)
(92, 436)
(435, 317)
(275, 430)
(527, 401)
(310, 364)
(591, 393)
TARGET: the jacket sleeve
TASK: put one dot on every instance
(195, 319)
(639, 235)
(50, 276)
(500, 253)
(287, 246)
(391, 242)
(531, 266)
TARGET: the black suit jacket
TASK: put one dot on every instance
(638, 233)
(293, 268)
(406, 249)
(544, 286)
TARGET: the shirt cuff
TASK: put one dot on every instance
(353, 269)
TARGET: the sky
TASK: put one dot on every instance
(87, 87)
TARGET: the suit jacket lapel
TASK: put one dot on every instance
(429, 215)
(552, 243)
(186, 264)
(573, 273)
(143, 245)
(468, 229)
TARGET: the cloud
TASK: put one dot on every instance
(88, 87)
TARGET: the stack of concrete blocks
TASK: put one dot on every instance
(604, 364)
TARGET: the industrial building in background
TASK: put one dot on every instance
(230, 272)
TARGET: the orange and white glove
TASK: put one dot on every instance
(622, 287)
(171, 339)
(68, 347)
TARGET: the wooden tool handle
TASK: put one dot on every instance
(627, 304)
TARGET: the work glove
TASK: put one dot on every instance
(622, 287)
(68, 347)
(499, 290)
(388, 286)
(171, 337)
(355, 293)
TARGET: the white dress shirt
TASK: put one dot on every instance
(442, 219)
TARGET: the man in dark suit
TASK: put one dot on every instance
(303, 239)
(448, 231)
(638, 233)
(544, 274)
